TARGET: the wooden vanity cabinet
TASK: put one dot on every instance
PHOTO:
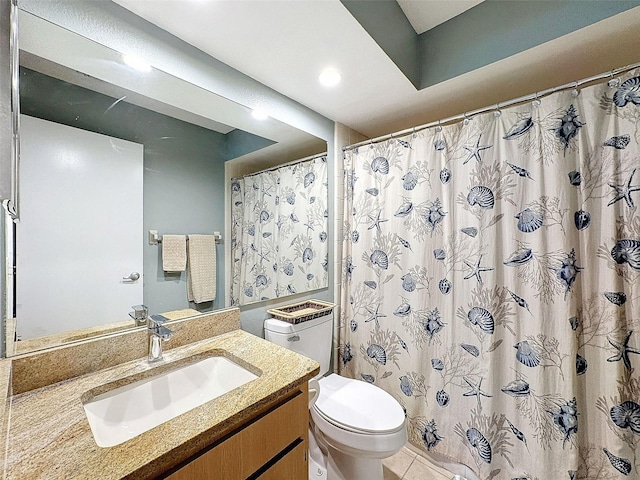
(271, 446)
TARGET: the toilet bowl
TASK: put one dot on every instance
(353, 424)
(359, 424)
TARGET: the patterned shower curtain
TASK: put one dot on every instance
(279, 222)
(491, 284)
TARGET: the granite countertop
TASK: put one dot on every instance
(48, 435)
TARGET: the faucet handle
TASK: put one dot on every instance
(163, 332)
(140, 310)
(139, 314)
(157, 320)
(156, 327)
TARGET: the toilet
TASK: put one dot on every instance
(354, 424)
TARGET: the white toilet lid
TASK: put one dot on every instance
(358, 406)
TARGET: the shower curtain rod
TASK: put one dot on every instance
(292, 162)
(496, 107)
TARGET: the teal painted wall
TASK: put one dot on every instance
(497, 29)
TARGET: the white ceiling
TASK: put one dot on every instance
(426, 14)
(285, 44)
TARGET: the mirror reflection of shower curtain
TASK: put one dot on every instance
(491, 284)
(279, 224)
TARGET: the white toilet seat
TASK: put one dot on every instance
(358, 406)
(359, 444)
(359, 418)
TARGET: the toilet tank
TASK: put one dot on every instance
(312, 338)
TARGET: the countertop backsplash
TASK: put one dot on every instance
(45, 367)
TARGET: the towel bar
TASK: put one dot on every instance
(155, 239)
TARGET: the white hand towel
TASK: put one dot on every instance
(201, 274)
(174, 253)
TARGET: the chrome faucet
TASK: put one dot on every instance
(139, 314)
(157, 334)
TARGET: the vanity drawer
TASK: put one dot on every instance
(279, 435)
(291, 466)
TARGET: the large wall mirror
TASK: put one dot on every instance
(111, 149)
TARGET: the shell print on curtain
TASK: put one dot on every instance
(491, 284)
(279, 232)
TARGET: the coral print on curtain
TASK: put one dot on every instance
(279, 232)
(491, 284)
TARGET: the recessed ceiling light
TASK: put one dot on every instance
(136, 63)
(259, 115)
(329, 77)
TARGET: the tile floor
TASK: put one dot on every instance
(407, 465)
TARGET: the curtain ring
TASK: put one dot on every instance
(613, 82)
(536, 100)
(439, 127)
(466, 119)
(575, 92)
(497, 111)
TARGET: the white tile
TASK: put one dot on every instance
(420, 470)
(396, 466)
(406, 449)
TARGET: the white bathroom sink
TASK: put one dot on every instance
(125, 412)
